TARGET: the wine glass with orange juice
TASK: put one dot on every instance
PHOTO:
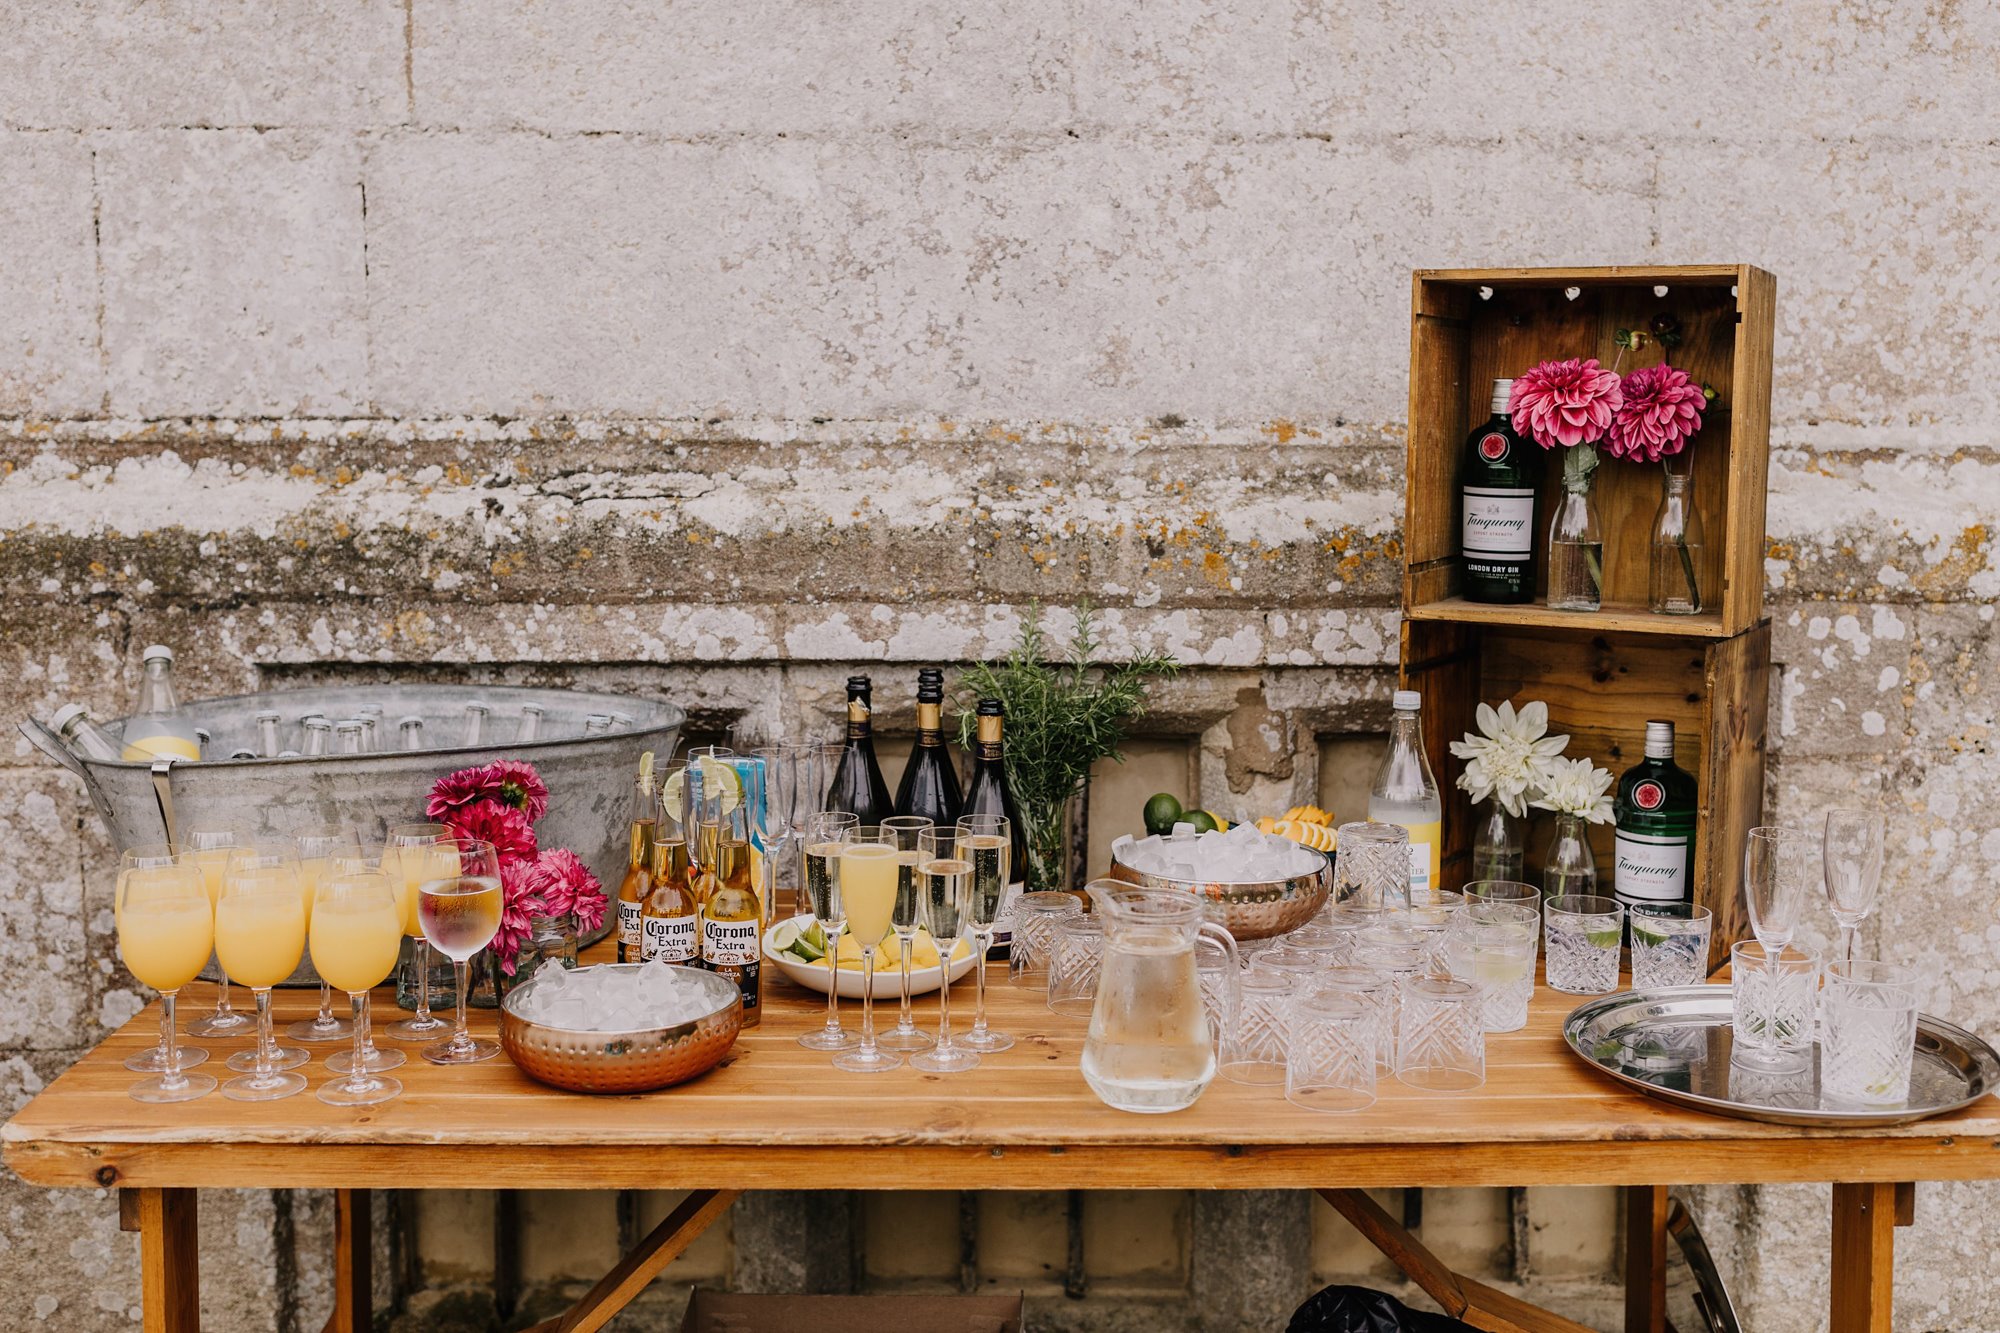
(166, 928)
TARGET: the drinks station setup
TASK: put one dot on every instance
(1559, 945)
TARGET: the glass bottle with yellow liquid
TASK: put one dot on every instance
(632, 890)
(732, 913)
(156, 730)
(1405, 793)
(671, 924)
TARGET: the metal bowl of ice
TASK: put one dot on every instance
(1256, 884)
(620, 1027)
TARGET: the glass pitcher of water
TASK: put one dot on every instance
(1150, 1047)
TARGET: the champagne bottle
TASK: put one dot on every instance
(632, 890)
(1654, 813)
(988, 794)
(1405, 793)
(858, 787)
(930, 784)
(1498, 482)
(157, 730)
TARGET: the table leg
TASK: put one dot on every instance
(353, 1260)
(169, 1256)
(1864, 1257)
(1645, 1259)
(615, 1290)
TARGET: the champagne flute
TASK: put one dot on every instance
(318, 848)
(868, 889)
(460, 913)
(211, 848)
(985, 842)
(260, 935)
(1852, 850)
(373, 1059)
(906, 1035)
(824, 832)
(1776, 864)
(144, 868)
(945, 888)
(406, 858)
(166, 928)
(355, 934)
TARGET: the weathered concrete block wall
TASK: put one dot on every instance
(713, 349)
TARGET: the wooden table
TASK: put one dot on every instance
(776, 1114)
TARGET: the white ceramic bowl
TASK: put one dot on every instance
(813, 975)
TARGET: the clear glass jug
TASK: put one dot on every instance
(1150, 1047)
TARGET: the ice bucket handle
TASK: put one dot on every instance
(52, 746)
(163, 794)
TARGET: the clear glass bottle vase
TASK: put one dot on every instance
(1576, 539)
(1570, 866)
(1499, 849)
(1673, 586)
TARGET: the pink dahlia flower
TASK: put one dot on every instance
(564, 884)
(518, 905)
(488, 820)
(1561, 404)
(508, 781)
(1662, 409)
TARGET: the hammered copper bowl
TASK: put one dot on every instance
(638, 1060)
(1252, 909)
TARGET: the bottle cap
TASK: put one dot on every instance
(317, 723)
(65, 715)
(157, 651)
(1659, 740)
(1408, 701)
(267, 714)
(409, 718)
(1503, 390)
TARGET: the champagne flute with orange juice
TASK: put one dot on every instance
(374, 1059)
(411, 855)
(210, 849)
(260, 935)
(319, 849)
(868, 866)
(460, 913)
(142, 871)
(356, 932)
(166, 928)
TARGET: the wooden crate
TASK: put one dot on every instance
(1602, 674)
(1460, 342)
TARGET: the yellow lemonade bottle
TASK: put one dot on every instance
(1405, 793)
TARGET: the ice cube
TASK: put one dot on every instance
(1183, 830)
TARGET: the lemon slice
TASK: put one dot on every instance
(718, 778)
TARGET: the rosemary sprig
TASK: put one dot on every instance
(1063, 715)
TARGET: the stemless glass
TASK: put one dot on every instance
(1503, 891)
(1330, 1052)
(142, 867)
(906, 1035)
(355, 933)
(1868, 1033)
(824, 832)
(410, 857)
(1372, 872)
(1493, 947)
(868, 869)
(210, 849)
(1773, 991)
(318, 850)
(460, 913)
(946, 892)
(1583, 932)
(166, 928)
(1852, 849)
(1441, 1038)
(1669, 944)
(984, 841)
(260, 935)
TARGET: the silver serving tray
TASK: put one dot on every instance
(1674, 1044)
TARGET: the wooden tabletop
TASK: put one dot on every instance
(779, 1116)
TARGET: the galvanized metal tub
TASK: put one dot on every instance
(589, 778)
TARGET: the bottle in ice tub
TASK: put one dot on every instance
(1405, 793)
(157, 730)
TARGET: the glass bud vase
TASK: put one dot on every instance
(1576, 541)
(1499, 844)
(1045, 834)
(1570, 867)
(1673, 585)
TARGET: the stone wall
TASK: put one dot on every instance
(714, 350)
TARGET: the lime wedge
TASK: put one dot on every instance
(785, 936)
(718, 778)
(1641, 935)
(1498, 969)
(1604, 939)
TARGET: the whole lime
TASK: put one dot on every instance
(1162, 813)
(1203, 821)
